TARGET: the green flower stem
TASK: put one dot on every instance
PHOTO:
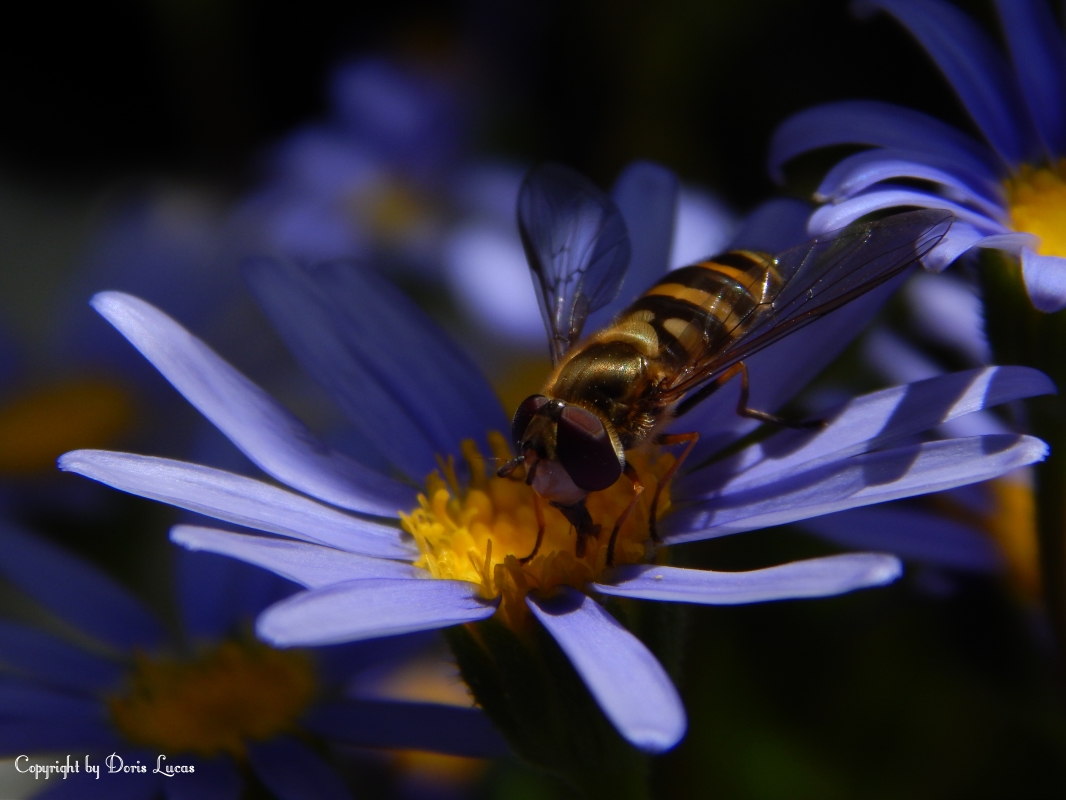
(1019, 334)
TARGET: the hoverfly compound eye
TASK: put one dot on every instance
(585, 450)
(523, 416)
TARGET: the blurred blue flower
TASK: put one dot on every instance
(416, 396)
(213, 699)
(372, 180)
(1008, 192)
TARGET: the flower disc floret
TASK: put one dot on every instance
(1036, 199)
(482, 532)
(213, 703)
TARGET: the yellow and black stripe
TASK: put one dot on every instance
(699, 309)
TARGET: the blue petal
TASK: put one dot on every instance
(949, 312)
(75, 591)
(397, 376)
(1039, 57)
(858, 172)
(268, 434)
(703, 227)
(774, 226)
(647, 196)
(215, 779)
(234, 498)
(974, 67)
(631, 687)
(1045, 280)
(293, 772)
(876, 124)
(834, 217)
(310, 565)
(910, 534)
(857, 481)
(815, 577)
(50, 736)
(430, 727)
(217, 594)
(873, 421)
(366, 609)
(54, 661)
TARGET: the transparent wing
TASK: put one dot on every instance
(819, 277)
(577, 246)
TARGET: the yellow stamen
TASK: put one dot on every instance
(37, 427)
(212, 704)
(1036, 199)
(480, 533)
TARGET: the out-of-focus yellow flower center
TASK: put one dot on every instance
(234, 692)
(39, 426)
(1036, 199)
(1011, 522)
(479, 533)
(1013, 525)
(391, 210)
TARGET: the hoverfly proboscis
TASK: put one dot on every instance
(680, 341)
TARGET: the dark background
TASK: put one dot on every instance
(194, 87)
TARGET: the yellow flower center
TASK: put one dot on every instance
(212, 704)
(1036, 199)
(480, 533)
(37, 427)
(1012, 524)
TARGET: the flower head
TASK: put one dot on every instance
(1008, 192)
(214, 699)
(460, 556)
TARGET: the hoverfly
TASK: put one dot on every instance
(676, 344)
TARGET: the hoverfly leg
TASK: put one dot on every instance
(578, 516)
(668, 439)
(741, 369)
(540, 529)
(638, 489)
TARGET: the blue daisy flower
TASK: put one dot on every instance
(214, 700)
(383, 553)
(1007, 192)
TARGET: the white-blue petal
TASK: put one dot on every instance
(235, 498)
(833, 217)
(262, 429)
(857, 481)
(367, 609)
(878, 125)
(910, 534)
(626, 680)
(975, 68)
(815, 577)
(310, 565)
(872, 421)
(859, 172)
(1045, 280)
